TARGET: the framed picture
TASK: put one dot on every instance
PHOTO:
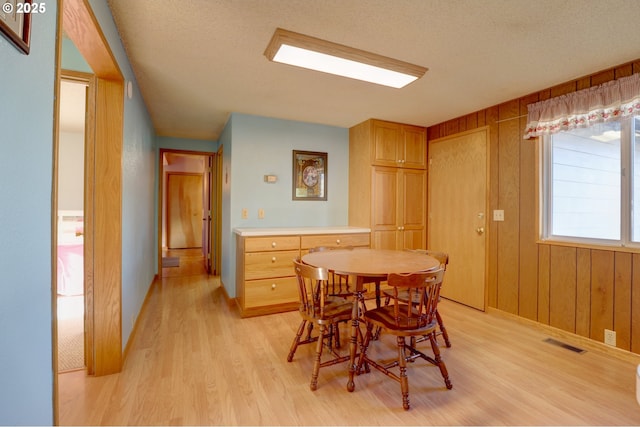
(309, 175)
(15, 21)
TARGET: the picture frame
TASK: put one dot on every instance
(309, 175)
(15, 22)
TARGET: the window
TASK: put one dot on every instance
(591, 183)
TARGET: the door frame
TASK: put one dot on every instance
(82, 28)
(210, 158)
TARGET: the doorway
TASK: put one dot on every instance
(70, 283)
(458, 202)
(186, 188)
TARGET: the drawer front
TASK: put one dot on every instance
(271, 243)
(259, 293)
(261, 265)
(333, 240)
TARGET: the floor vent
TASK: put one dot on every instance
(565, 345)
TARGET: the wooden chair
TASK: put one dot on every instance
(317, 308)
(338, 283)
(403, 320)
(443, 258)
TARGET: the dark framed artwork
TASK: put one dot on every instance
(15, 21)
(309, 175)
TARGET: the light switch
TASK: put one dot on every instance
(260, 213)
(498, 215)
(245, 213)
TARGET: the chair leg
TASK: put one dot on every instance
(443, 330)
(316, 362)
(309, 331)
(404, 380)
(439, 361)
(363, 349)
(296, 341)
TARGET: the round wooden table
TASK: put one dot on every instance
(365, 264)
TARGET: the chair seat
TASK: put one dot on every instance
(336, 310)
(385, 317)
(403, 296)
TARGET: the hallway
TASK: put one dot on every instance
(193, 361)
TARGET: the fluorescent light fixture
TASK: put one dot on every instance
(316, 54)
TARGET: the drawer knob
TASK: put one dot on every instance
(337, 241)
(273, 259)
(273, 286)
(273, 244)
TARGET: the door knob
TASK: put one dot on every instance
(480, 230)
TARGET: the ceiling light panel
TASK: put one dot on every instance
(320, 55)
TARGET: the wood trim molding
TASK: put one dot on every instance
(81, 25)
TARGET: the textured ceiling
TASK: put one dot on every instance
(198, 61)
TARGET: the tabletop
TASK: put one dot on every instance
(370, 262)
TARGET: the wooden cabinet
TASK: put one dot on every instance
(387, 195)
(331, 240)
(397, 145)
(265, 281)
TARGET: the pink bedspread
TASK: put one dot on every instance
(70, 269)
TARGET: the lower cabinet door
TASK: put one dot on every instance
(265, 292)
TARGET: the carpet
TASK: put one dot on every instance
(70, 333)
(170, 261)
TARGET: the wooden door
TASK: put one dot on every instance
(457, 196)
(414, 204)
(206, 219)
(184, 210)
(385, 207)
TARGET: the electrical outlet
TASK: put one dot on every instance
(610, 337)
(498, 215)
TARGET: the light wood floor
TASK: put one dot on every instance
(193, 361)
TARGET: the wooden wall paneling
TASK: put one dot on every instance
(509, 200)
(602, 287)
(451, 127)
(635, 65)
(602, 77)
(528, 290)
(562, 288)
(583, 83)
(433, 132)
(481, 117)
(491, 117)
(635, 303)
(583, 292)
(471, 121)
(623, 71)
(544, 259)
(563, 89)
(622, 300)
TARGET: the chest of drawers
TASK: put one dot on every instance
(265, 280)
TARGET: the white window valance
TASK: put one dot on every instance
(603, 103)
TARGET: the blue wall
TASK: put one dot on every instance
(26, 170)
(257, 146)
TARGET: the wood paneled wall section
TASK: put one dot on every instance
(576, 289)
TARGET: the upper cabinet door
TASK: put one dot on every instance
(387, 142)
(399, 145)
(415, 147)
